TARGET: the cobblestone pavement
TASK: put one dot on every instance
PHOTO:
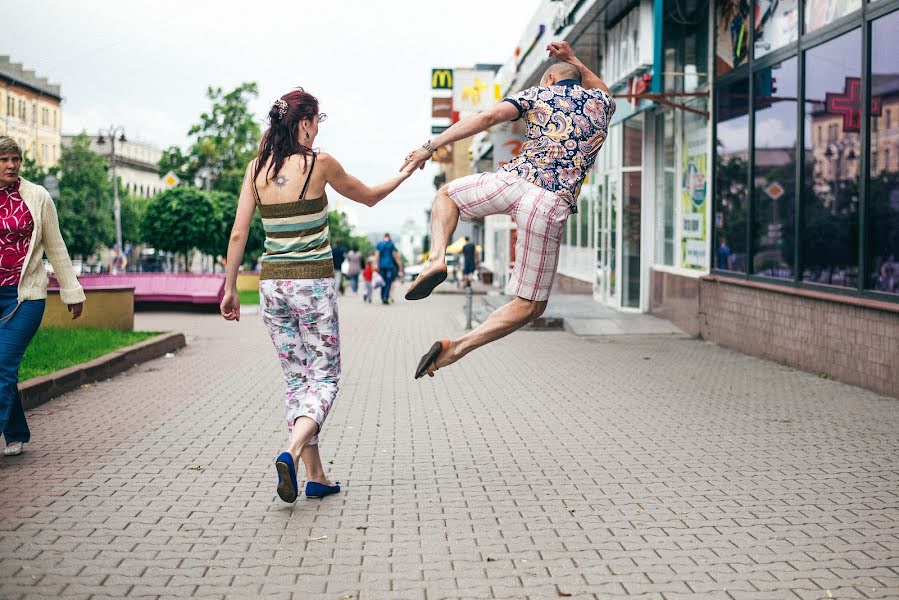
(544, 466)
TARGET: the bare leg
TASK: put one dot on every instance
(314, 469)
(444, 218)
(503, 321)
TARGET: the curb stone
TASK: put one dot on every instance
(38, 390)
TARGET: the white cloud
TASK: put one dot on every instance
(146, 66)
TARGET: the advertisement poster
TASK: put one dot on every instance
(694, 193)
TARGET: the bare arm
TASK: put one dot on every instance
(589, 79)
(467, 127)
(237, 243)
(350, 187)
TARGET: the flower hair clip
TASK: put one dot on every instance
(281, 105)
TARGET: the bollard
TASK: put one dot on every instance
(469, 295)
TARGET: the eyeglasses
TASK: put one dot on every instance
(322, 117)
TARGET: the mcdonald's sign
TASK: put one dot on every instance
(441, 79)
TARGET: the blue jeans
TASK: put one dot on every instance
(15, 335)
(389, 274)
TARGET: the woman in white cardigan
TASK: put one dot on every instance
(28, 229)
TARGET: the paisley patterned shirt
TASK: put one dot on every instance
(16, 227)
(566, 126)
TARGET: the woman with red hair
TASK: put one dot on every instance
(286, 183)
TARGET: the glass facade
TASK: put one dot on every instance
(831, 184)
(776, 25)
(883, 196)
(731, 176)
(806, 181)
(774, 176)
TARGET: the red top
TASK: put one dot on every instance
(367, 273)
(16, 227)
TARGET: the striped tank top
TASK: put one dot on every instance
(296, 237)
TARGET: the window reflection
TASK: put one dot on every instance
(883, 196)
(732, 33)
(731, 176)
(776, 25)
(831, 183)
(774, 180)
(819, 13)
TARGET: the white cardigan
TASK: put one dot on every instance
(45, 238)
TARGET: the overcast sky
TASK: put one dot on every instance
(146, 66)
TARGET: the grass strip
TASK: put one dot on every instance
(54, 349)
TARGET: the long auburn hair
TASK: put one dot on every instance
(280, 140)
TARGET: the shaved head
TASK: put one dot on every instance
(560, 71)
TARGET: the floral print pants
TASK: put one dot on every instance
(301, 317)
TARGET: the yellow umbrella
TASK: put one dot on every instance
(456, 247)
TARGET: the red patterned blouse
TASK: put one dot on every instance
(16, 227)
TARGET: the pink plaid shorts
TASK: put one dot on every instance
(539, 216)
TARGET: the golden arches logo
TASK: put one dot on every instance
(441, 79)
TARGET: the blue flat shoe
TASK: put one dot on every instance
(288, 490)
(318, 490)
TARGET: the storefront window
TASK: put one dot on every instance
(633, 142)
(585, 212)
(776, 25)
(732, 35)
(883, 194)
(731, 176)
(774, 181)
(819, 13)
(666, 171)
(694, 188)
(830, 190)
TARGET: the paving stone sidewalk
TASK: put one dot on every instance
(544, 466)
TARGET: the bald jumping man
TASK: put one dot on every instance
(567, 118)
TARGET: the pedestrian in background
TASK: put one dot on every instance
(339, 253)
(388, 265)
(28, 229)
(297, 285)
(367, 279)
(469, 261)
(354, 267)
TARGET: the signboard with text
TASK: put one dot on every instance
(441, 108)
(473, 91)
(441, 79)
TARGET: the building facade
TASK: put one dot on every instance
(136, 164)
(748, 189)
(31, 112)
(806, 186)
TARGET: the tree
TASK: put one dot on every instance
(182, 219)
(227, 206)
(32, 171)
(225, 140)
(85, 193)
(341, 233)
(133, 208)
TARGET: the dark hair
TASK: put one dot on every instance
(280, 140)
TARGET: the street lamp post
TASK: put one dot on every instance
(112, 132)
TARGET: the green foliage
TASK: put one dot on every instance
(133, 209)
(85, 198)
(54, 349)
(225, 140)
(182, 219)
(341, 234)
(32, 171)
(227, 205)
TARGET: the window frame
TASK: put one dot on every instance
(862, 19)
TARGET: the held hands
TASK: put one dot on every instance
(561, 51)
(416, 159)
(230, 307)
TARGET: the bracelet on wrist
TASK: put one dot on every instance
(427, 146)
